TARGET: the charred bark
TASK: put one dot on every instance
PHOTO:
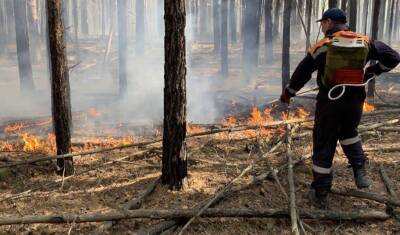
(308, 14)
(286, 43)
(268, 54)
(374, 35)
(216, 26)
(60, 89)
(232, 20)
(139, 27)
(174, 161)
(122, 46)
(23, 50)
(224, 38)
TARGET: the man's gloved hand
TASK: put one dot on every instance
(372, 71)
(286, 96)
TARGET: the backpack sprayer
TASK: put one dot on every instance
(345, 60)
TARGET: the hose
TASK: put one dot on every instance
(343, 86)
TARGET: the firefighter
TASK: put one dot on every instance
(339, 58)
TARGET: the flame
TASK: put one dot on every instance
(368, 107)
(7, 146)
(229, 121)
(30, 143)
(14, 127)
(92, 112)
(194, 129)
(260, 118)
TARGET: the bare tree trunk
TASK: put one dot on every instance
(76, 30)
(382, 14)
(374, 35)
(174, 160)
(224, 38)
(84, 17)
(268, 53)
(216, 28)
(122, 46)
(333, 3)
(251, 37)
(391, 21)
(203, 19)
(139, 27)
(60, 90)
(343, 6)
(277, 15)
(3, 28)
(353, 15)
(366, 7)
(286, 43)
(23, 50)
(160, 17)
(397, 21)
(232, 20)
(308, 14)
(34, 30)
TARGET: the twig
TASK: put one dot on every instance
(130, 205)
(384, 150)
(292, 196)
(389, 187)
(189, 213)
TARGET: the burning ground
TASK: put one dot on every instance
(217, 153)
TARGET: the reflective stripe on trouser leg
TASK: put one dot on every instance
(350, 141)
(354, 152)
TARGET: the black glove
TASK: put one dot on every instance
(373, 70)
(286, 96)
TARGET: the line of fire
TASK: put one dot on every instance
(199, 116)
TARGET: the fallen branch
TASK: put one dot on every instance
(380, 112)
(226, 188)
(164, 225)
(389, 187)
(130, 205)
(384, 150)
(292, 196)
(361, 215)
(368, 195)
(377, 125)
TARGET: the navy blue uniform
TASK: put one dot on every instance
(339, 119)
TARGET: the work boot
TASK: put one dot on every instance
(318, 199)
(360, 176)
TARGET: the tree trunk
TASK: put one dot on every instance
(382, 17)
(224, 38)
(76, 30)
(277, 16)
(232, 20)
(344, 5)
(160, 17)
(366, 7)
(286, 43)
(353, 15)
(374, 35)
(308, 14)
(391, 21)
(268, 53)
(34, 30)
(216, 26)
(397, 21)
(60, 90)
(23, 51)
(122, 46)
(251, 37)
(203, 20)
(174, 160)
(3, 28)
(84, 17)
(333, 3)
(139, 27)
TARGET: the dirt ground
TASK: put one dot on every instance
(102, 183)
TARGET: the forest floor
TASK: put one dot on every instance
(102, 182)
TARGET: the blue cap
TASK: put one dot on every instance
(334, 14)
